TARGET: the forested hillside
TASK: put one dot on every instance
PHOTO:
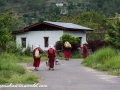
(33, 11)
(20, 7)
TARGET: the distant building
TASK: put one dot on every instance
(59, 4)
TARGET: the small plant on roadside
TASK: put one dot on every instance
(12, 48)
(27, 51)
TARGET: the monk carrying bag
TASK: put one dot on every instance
(37, 53)
(67, 44)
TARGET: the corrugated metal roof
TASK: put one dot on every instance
(69, 25)
(61, 25)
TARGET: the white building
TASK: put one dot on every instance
(46, 33)
(59, 4)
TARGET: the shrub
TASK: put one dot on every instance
(99, 57)
(69, 38)
(96, 44)
(74, 41)
(27, 51)
(12, 48)
(58, 45)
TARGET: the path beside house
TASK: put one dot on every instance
(71, 75)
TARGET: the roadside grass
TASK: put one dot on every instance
(105, 59)
(76, 56)
(12, 73)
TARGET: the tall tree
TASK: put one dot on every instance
(96, 21)
(113, 36)
(7, 23)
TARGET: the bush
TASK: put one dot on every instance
(99, 57)
(12, 48)
(69, 38)
(58, 45)
(74, 41)
(27, 51)
(96, 44)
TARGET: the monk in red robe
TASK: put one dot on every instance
(67, 53)
(85, 51)
(51, 57)
(36, 62)
(67, 47)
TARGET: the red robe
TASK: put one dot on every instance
(36, 62)
(51, 57)
(85, 51)
(67, 53)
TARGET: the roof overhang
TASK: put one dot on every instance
(60, 25)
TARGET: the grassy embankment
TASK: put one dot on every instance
(105, 59)
(11, 72)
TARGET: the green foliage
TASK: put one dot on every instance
(105, 59)
(52, 17)
(70, 18)
(12, 48)
(69, 38)
(96, 21)
(7, 24)
(16, 74)
(31, 12)
(113, 36)
(109, 7)
(75, 55)
(100, 56)
(93, 19)
(27, 51)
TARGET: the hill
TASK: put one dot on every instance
(33, 11)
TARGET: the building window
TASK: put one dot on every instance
(23, 40)
(46, 41)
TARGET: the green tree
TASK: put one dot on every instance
(92, 19)
(96, 21)
(113, 36)
(70, 19)
(52, 17)
(7, 25)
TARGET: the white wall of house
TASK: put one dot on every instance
(37, 38)
(77, 34)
